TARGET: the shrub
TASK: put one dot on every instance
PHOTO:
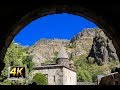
(83, 75)
(40, 79)
(73, 45)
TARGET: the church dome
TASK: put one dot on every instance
(62, 53)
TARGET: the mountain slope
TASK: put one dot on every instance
(89, 42)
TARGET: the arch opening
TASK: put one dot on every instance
(88, 14)
(75, 53)
(79, 11)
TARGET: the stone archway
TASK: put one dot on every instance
(56, 9)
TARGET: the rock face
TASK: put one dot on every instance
(86, 33)
(91, 42)
(83, 41)
(102, 49)
(46, 50)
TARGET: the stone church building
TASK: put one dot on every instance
(61, 73)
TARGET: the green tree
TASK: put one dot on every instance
(83, 75)
(95, 70)
(28, 62)
(16, 55)
(87, 71)
(81, 62)
(13, 57)
(40, 79)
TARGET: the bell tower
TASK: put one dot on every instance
(62, 57)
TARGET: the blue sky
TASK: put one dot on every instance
(62, 26)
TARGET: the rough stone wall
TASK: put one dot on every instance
(69, 77)
(55, 76)
(58, 76)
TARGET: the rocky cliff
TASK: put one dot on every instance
(83, 41)
(102, 49)
(91, 42)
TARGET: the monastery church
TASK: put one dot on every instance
(61, 73)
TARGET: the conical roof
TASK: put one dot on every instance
(62, 53)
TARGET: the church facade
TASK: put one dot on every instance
(61, 73)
